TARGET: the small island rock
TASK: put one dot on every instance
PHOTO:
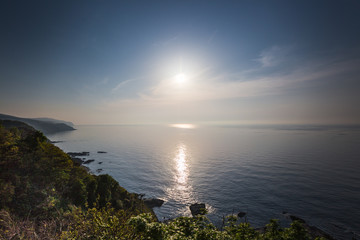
(153, 202)
(76, 154)
(241, 214)
(88, 161)
(198, 208)
(312, 230)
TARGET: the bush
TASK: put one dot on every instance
(200, 228)
(105, 223)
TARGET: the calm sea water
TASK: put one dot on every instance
(311, 172)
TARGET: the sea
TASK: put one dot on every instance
(312, 172)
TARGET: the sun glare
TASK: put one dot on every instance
(181, 78)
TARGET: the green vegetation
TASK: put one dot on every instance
(40, 184)
(44, 195)
(201, 229)
(110, 224)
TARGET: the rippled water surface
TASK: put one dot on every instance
(313, 173)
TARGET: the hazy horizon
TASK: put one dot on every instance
(160, 62)
(194, 125)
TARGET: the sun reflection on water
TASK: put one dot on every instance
(181, 192)
(183, 125)
(181, 166)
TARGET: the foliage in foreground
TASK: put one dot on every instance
(201, 229)
(105, 223)
(110, 224)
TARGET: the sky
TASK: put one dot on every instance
(145, 62)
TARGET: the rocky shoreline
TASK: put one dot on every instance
(313, 231)
(198, 208)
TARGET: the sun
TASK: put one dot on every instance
(181, 78)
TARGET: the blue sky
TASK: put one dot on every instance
(115, 62)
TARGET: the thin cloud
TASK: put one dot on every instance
(165, 97)
(207, 97)
(120, 85)
(204, 87)
(94, 86)
(273, 56)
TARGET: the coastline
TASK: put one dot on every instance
(123, 166)
(155, 202)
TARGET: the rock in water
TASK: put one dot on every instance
(76, 154)
(312, 230)
(101, 152)
(153, 202)
(241, 214)
(198, 208)
(296, 218)
(88, 161)
(293, 217)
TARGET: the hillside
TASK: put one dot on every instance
(42, 191)
(45, 125)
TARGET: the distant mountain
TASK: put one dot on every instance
(44, 119)
(45, 125)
